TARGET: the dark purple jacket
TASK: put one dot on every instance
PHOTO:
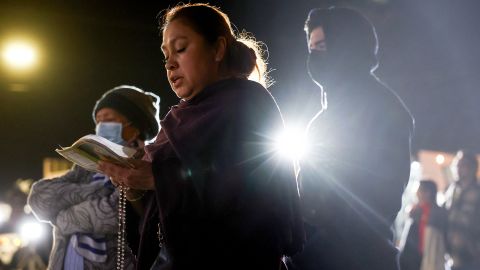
(226, 200)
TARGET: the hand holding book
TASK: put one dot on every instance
(121, 163)
(89, 150)
(139, 176)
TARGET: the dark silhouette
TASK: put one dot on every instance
(423, 241)
(353, 179)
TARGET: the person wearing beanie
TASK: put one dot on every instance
(352, 183)
(139, 107)
(82, 206)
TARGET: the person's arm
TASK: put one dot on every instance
(136, 199)
(391, 168)
(96, 216)
(49, 196)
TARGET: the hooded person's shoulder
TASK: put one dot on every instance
(391, 108)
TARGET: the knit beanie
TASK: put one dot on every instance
(139, 107)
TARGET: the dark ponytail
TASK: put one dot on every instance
(240, 59)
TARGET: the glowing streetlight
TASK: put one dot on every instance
(31, 231)
(19, 55)
(440, 159)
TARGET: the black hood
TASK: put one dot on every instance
(350, 37)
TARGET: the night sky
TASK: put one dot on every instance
(429, 54)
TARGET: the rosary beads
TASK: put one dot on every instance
(122, 203)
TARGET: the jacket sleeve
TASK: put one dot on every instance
(96, 216)
(49, 196)
(391, 163)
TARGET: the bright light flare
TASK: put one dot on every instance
(20, 55)
(292, 143)
(5, 212)
(440, 159)
(31, 231)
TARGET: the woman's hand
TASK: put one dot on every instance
(140, 177)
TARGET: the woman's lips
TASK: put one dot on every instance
(176, 81)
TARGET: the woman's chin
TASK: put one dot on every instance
(184, 94)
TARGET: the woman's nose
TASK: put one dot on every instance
(170, 64)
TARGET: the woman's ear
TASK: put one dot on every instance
(220, 49)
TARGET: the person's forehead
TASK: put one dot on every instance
(176, 30)
(107, 111)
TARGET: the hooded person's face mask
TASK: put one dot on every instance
(350, 45)
(330, 68)
(319, 66)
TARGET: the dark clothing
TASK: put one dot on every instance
(410, 256)
(226, 200)
(463, 235)
(433, 234)
(353, 179)
(148, 244)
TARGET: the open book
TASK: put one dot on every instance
(87, 151)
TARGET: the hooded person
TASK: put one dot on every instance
(82, 206)
(350, 45)
(352, 183)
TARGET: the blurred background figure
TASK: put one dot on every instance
(24, 242)
(463, 205)
(423, 241)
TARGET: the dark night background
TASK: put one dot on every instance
(429, 53)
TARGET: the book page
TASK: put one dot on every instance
(115, 149)
(90, 149)
(79, 158)
(99, 152)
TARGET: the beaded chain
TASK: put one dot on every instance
(160, 237)
(122, 214)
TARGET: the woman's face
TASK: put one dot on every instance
(190, 61)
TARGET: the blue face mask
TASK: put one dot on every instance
(111, 131)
